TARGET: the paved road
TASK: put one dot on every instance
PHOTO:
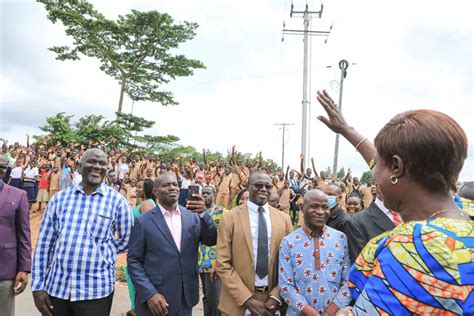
(24, 305)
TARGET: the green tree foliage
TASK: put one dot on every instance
(366, 174)
(59, 128)
(126, 131)
(93, 129)
(341, 173)
(135, 49)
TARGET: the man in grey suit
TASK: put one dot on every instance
(367, 224)
(15, 242)
(163, 251)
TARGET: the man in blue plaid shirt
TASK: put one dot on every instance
(83, 229)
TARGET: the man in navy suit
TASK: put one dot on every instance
(163, 251)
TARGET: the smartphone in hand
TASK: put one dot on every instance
(193, 189)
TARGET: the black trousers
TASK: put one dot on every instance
(99, 307)
(211, 291)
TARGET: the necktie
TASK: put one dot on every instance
(262, 248)
(397, 219)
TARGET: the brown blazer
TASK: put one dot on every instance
(235, 263)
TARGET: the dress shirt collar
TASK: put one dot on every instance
(102, 189)
(1, 185)
(164, 211)
(310, 233)
(382, 207)
(254, 207)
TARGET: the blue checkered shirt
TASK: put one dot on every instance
(79, 238)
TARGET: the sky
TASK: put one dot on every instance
(403, 55)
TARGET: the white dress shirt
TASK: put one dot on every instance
(385, 210)
(253, 216)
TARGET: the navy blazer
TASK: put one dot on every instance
(364, 226)
(156, 266)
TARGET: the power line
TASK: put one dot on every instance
(283, 128)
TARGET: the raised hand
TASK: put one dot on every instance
(335, 120)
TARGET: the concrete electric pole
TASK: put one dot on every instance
(306, 32)
(283, 125)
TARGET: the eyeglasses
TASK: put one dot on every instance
(262, 185)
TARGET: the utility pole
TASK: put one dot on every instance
(307, 15)
(284, 125)
(343, 65)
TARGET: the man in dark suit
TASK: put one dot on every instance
(163, 251)
(367, 224)
(338, 217)
(15, 242)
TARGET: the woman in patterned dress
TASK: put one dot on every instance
(425, 265)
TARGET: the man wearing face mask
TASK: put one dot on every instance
(338, 218)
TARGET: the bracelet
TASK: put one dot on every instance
(363, 140)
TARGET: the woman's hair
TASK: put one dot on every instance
(148, 189)
(239, 196)
(431, 144)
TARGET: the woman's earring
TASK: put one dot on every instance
(393, 179)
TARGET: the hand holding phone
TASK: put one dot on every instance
(195, 202)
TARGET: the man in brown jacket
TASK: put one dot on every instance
(248, 243)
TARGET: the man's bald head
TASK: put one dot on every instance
(315, 209)
(332, 187)
(257, 175)
(93, 152)
(166, 190)
(164, 177)
(93, 168)
(314, 194)
(260, 186)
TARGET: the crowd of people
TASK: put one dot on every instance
(259, 239)
(43, 171)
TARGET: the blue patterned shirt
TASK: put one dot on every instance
(314, 271)
(79, 238)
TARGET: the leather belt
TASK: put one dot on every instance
(261, 289)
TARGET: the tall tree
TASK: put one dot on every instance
(59, 128)
(135, 49)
